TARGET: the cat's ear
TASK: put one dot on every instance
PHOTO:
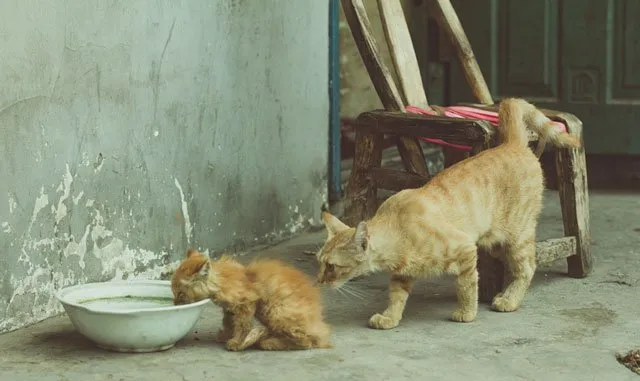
(332, 223)
(361, 236)
(191, 252)
(204, 270)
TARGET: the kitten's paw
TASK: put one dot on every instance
(502, 304)
(235, 345)
(463, 316)
(379, 321)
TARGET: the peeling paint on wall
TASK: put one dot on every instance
(33, 296)
(138, 149)
(188, 228)
(65, 188)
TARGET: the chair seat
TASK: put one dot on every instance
(455, 129)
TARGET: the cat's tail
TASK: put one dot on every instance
(516, 114)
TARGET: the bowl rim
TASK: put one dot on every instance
(60, 294)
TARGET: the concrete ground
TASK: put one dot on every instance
(567, 329)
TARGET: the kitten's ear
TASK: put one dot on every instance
(204, 270)
(191, 252)
(332, 223)
(362, 236)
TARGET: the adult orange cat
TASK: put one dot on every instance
(493, 198)
(282, 298)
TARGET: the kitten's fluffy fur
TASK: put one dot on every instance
(282, 298)
(493, 198)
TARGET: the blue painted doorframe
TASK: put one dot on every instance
(334, 102)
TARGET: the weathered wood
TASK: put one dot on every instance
(395, 180)
(403, 55)
(360, 26)
(554, 249)
(448, 20)
(454, 130)
(574, 199)
(361, 193)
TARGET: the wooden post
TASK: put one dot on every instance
(574, 199)
(361, 192)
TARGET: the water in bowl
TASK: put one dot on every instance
(127, 303)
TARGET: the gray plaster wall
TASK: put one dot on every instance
(133, 130)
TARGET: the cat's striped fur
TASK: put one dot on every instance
(493, 198)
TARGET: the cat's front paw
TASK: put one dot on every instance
(502, 304)
(463, 316)
(379, 321)
(235, 345)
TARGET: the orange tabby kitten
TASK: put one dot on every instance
(493, 198)
(282, 298)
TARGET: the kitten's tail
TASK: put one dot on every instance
(516, 114)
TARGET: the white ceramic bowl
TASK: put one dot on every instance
(129, 316)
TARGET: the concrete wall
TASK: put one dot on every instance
(132, 130)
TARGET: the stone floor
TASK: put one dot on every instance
(567, 329)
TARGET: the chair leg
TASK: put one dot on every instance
(491, 275)
(412, 155)
(361, 192)
(574, 197)
(452, 156)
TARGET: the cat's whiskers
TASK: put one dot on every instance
(353, 289)
(350, 291)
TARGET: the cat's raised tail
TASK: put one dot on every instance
(516, 115)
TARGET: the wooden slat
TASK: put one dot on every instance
(448, 20)
(454, 130)
(402, 53)
(356, 16)
(360, 26)
(554, 249)
(390, 179)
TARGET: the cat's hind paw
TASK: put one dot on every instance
(502, 304)
(379, 321)
(235, 345)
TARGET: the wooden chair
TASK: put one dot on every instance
(367, 175)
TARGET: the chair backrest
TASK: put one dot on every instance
(398, 39)
(403, 55)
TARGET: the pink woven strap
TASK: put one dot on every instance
(464, 112)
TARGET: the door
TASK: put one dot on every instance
(579, 56)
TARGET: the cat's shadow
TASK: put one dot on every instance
(430, 300)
